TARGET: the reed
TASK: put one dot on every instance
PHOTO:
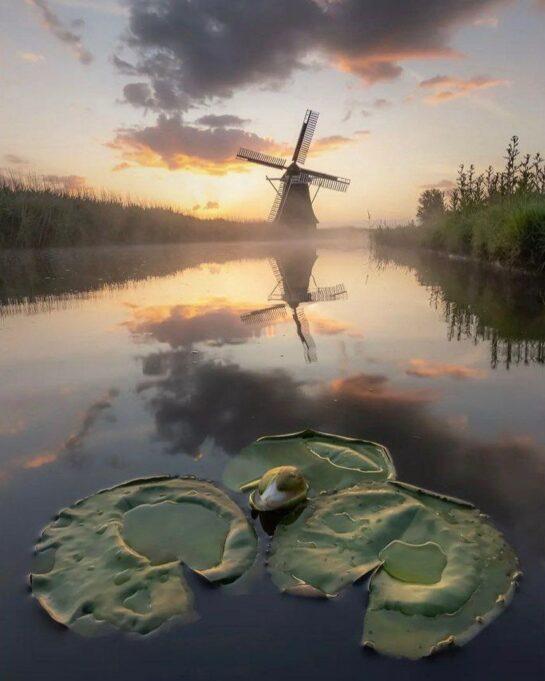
(36, 213)
(495, 215)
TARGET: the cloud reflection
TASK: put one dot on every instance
(193, 401)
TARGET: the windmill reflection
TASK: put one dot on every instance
(295, 286)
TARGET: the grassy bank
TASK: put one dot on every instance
(37, 214)
(497, 216)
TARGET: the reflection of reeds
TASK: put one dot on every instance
(35, 213)
(495, 215)
(504, 310)
(463, 323)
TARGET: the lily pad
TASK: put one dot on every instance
(115, 559)
(327, 462)
(440, 570)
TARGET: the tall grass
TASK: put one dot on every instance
(35, 213)
(495, 215)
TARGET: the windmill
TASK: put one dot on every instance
(292, 204)
(295, 286)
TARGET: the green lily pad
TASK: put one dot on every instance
(440, 570)
(115, 559)
(327, 462)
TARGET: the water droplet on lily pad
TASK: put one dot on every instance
(133, 540)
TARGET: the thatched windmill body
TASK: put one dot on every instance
(293, 205)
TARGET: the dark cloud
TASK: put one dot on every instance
(222, 121)
(139, 94)
(382, 103)
(195, 400)
(211, 205)
(55, 25)
(211, 48)
(173, 144)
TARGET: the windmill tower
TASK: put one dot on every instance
(295, 286)
(292, 204)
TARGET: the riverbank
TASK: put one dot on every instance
(37, 214)
(510, 233)
(496, 216)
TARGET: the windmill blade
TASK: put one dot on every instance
(305, 136)
(262, 159)
(279, 199)
(268, 315)
(328, 293)
(338, 184)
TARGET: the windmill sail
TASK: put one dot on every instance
(268, 315)
(279, 200)
(262, 159)
(303, 331)
(305, 136)
(293, 206)
(338, 184)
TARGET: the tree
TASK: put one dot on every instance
(431, 205)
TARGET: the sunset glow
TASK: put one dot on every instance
(154, 100)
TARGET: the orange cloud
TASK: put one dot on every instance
(368, 387)
(384, 64)
(330, 143)
(423, 368)
(214, 321)
(171, 143)
(40, 460)
(451, 87)
(332, 327)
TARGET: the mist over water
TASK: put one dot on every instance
(124, 362)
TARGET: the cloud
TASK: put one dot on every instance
(423, 368)
(215, 322)
(446, 88)
(324, 144)
(487, 21)
(56, 27)
(211, 205)
(16, 160)
(74, 442)
(222, 121)
(324, 326)
(362, 133)
(192, 400)
(31, 57)
(66, 182)
(197, 51)
(382, 103)
(173, 144)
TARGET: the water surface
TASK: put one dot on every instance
(123, 362)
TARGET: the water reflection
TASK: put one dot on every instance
(198, 400)
(138, 361)
(295, 286)
(506, 310)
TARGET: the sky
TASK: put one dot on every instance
(153, 98)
